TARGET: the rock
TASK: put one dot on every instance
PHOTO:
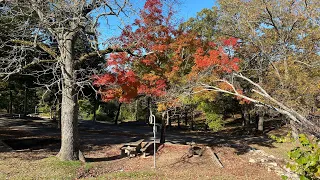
(273, 164)
(252, 160)
(81, 157)
(269, 169)
(271, 156)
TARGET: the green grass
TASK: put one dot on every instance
(131, 175)
(48, 168)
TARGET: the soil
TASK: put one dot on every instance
(34, 139)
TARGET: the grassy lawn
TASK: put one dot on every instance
(47, 168)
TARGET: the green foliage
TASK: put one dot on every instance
(203, 24)
(214, 121)
(282, 139)
(104, 115)
(213, 118)
(127, 112)
(306, 159)
(86, 109)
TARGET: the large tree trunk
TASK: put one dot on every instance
(69, 108)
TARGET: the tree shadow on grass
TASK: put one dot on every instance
(111, 158)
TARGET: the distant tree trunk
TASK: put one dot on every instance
(25, 101)
(51, 113)
(136, 110)
(148, 110)
(192, 120)
(163, 129)
(245, 116)
(118, 113)
(260, 123)
(260, 119)
(179, 121)
(169, 119)
(186, 117)
(70, 146)
(10, 102)
(58, 110)
(294, 130)
(95, 107)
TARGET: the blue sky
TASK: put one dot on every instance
(187, 9)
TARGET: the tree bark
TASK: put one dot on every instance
(192, 120)
(10, 102)
(245, 116)
(260, 123)
(95, 107)
(118, 113)
(186, 117)
(70, 147)
(179, 121)
(148, 110)
(260, 118)
(59, 111)
(169, 119)
(163, 129)
(25, 101)
(136, 110)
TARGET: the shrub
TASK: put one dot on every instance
(306, 159)
(282, 139)
(214, 121)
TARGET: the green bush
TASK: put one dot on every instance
(214, 121)
(282, 139)
(85, 109)
(306, 159)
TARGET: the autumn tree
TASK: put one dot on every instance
(279, 55)
(57, 24)
(159, 57)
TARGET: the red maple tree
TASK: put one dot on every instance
(160, 56)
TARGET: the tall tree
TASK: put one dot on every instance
(60, 23)
(277, 42)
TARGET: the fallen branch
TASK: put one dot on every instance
(215, 157)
